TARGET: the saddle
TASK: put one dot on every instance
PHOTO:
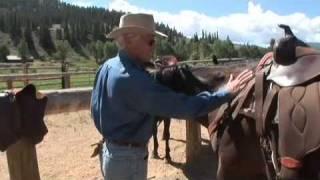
(306, 67)
(22, 116)
(10, 120)
(293, 99)
(296, 109)
(287, 90)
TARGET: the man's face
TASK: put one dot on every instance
(142, 47)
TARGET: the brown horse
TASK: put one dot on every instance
(269, 130)
(181, 79)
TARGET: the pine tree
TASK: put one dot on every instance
(23, 49)
(4, 52)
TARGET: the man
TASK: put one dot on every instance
(125, 99)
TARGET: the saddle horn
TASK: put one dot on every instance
(287, 30)
(285, 50)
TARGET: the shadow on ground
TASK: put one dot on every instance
(203, 168)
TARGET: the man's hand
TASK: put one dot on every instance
(237, 84)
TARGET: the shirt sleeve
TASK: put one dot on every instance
(145, 95)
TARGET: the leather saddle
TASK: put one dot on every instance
(10, 120)
(294, 61)
(21, 115)
(287, 89)
(306, 67)
(293, 98)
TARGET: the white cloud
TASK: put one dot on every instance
(256, 26)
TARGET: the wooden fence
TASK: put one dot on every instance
(26, 72)
(22, 156)
(26, 78)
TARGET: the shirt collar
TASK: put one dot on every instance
(124, 58)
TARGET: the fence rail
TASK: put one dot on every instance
(22, 156)
(43, 68)
(23, 77)
(22, 74)
(221, 61)
(65, 78)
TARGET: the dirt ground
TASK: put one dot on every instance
(65, 152)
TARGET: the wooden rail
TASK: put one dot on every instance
(22, 77)
(32, 69)
(10, 79)
(221, 61)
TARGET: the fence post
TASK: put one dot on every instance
(26, 71)
(65, 80)
(193, 139)
(22, 161)
(10, 84)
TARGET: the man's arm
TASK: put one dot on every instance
(147, 96)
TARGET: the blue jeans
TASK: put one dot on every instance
(123, 163)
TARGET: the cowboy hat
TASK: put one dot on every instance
(139, 23)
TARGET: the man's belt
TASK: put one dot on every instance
(127, 144)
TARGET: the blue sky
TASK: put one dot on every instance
(244, 21)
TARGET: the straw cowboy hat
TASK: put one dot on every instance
(139, 23)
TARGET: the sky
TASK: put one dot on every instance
(244, 21)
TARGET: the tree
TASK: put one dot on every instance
(194, 51)
(224, 49)
(163, 47)
(219, 49)
(62, 50)
(204, 50)
(23, 49)
(4, 52)
(110, 50)
(29, 40)
(181, 49)
(243, 51)
(45, 39)
(97, 50)
(231, 52)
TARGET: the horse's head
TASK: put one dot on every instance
(181, 79)
(165, 61)
(285, 48)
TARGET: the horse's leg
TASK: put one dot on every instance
(155, 139)
(166, 137)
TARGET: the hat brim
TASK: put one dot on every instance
(132, 29)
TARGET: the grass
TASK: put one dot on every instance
(76, 80)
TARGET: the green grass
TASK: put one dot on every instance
(76, 81)
(80, 64)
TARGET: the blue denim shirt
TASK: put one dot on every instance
(126, 98)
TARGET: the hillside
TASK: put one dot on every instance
(41, 28)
